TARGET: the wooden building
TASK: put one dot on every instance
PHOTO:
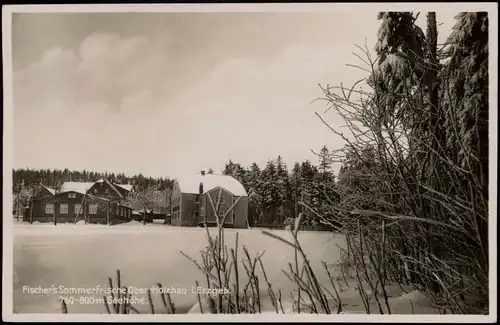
(110, 190)
(197, 198)
(75, 202)
(36, 210)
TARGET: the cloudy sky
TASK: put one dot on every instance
(170, 93)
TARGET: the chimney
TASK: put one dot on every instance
(201, 188)
(203, 172)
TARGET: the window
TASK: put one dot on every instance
(63, 208)
(72, 195)
(78, 206)
(221, 213)
(95, 190)
(196, 214)
(93, 208)
(222, 200)
(49, 208)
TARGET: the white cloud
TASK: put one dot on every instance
(244, 110)
(107, 106)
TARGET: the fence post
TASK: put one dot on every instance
(32, 203)
(108, 214)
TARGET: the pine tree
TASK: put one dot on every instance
(254, 179)
(325, 165)
(465, 102)
(283, 187)
(399, 74)
(296, 186)
(270, 190)
(255, 190)
(465, 91)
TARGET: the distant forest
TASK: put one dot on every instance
(53, 177)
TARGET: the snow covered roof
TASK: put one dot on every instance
(127, 187)
(191, 184)
(51, 190)
(78, 187)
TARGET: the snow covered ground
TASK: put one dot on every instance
(70, 256)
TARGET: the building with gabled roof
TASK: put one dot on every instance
(96, 202)
(77, 187)
(196, 196)
(190, 184)
(48, 189)
(126, 187)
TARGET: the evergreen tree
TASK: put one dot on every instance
(283, 181)
(325, 165)
(270, 190)
(296, 186)
(284, 195)
(464, 98)
(254, 179)
(465, 91)
(255, 188)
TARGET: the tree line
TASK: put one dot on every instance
(54, 177)
(274, 190)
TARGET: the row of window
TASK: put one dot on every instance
(176, 214)
(78, 209)
(122, 211)
(221, 213)
(177, 200)
(64, 208)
